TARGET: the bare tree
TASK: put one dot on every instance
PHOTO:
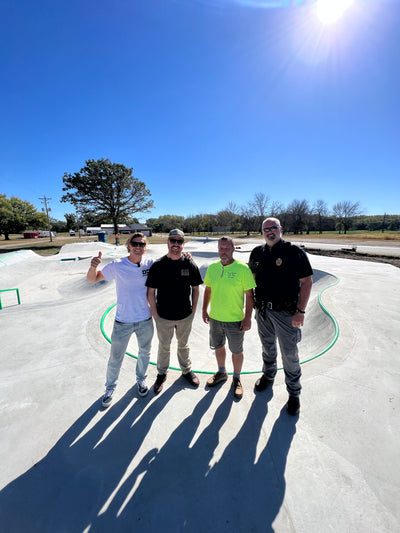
(259, 207)
(276, 209)
(320, 209)
(299, 212)
(345, 212)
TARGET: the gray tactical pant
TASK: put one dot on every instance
(277, 326)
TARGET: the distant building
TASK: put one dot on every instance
(93, 230)
(122, 228)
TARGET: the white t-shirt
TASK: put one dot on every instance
(130, 280)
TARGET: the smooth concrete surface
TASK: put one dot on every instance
(196, 459)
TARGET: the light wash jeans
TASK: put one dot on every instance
(121, 334)
(278, 325)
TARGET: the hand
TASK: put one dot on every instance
(187, 255)
(245, 325)
(206, 317)
(298, 320)
(96, 261)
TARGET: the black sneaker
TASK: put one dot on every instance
(262, 383)
(158, 385)
(293, 405)
(107, 398)
(192, 378)
(219, 377)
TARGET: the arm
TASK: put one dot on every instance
(195, 298)
(302, 300)
(246, 322)
(206, 301)
(93, 276)
(151, 298)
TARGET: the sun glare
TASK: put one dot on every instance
(329, 11)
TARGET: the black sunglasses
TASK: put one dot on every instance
(136, 244)
(271, 228)
(176, 241)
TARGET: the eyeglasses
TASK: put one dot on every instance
(176, 241)
(135, 244)
(271, 228)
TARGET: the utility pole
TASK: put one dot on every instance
(47, 209)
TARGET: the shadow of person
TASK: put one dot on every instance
(184, 490)
(186, 493)
(246, 493)
(67, 488)
(172, 478)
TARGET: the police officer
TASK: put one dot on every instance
(283, 275)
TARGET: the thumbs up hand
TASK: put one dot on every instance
(96, 261)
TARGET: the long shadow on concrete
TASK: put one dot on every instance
(86, 483)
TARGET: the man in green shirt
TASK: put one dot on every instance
(229, 287)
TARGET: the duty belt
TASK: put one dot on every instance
(263, 305)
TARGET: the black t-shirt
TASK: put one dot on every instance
(278, 270)
(173, 279)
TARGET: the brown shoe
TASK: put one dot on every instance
(219, 377)
(237, 388)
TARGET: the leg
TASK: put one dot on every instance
(183, 329)
(237, 361)
(144, 335)
(288, 337)
(119, 342)
(266, 332)
(165, 332)
(220, 354)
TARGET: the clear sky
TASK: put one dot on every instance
(209, 101)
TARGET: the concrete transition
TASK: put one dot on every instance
(196, 460)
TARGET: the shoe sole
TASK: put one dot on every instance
(142, 394)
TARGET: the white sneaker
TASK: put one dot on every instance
(107, 398)
(142, 387)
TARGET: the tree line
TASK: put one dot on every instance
(103, 192)
(298, 217)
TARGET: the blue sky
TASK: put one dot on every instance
(209, 101)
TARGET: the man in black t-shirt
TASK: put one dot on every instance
(173, 292)
(283, 276)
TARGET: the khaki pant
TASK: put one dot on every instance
(165, 332)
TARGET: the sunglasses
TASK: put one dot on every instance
(176, 241)
(136, 244)
(271, 228)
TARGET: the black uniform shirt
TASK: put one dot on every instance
(278, 270)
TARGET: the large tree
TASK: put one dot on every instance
(17, 215)
(107, 189)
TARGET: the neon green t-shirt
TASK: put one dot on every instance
(228, 284)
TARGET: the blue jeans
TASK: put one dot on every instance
(121, 334)
(277, 325)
